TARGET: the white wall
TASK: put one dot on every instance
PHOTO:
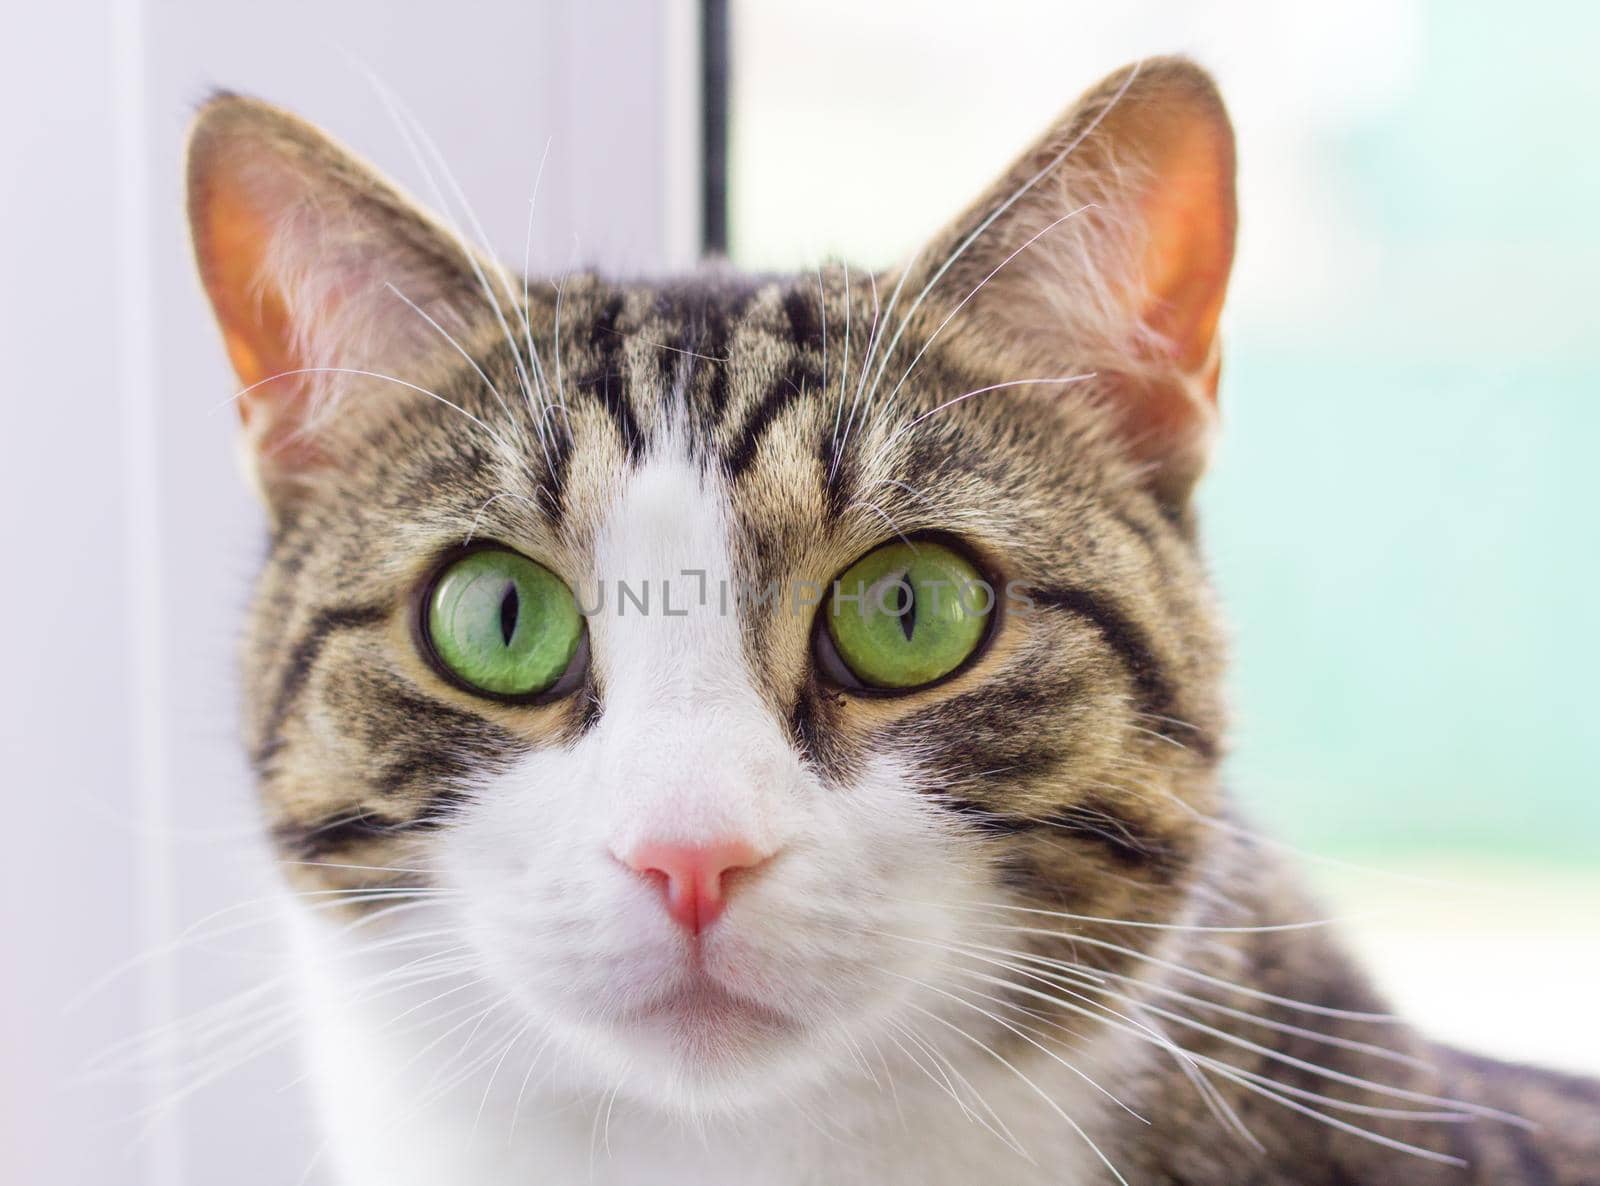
(128, 540)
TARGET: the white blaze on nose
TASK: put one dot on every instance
(690, 753)
(668, 527)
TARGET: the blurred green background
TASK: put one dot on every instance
(1404, 518)
(1402, 515)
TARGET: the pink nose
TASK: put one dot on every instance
(693, 877)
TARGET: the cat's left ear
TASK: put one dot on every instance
(1106, 247)
(316, 267)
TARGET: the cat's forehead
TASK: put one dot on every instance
(822, 410)
(721, 360)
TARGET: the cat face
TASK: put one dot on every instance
(604, 659)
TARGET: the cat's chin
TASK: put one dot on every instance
(701, 1049)
(703, 1015)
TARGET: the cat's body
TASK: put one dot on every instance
(986, 916)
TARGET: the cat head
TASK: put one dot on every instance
(720, 673)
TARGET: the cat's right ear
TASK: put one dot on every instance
(310, 259)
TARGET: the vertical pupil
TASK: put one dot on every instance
(509, 606)
(905, 607)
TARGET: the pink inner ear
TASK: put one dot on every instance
(232, 239)
(1189, 218)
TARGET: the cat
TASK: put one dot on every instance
(768, 731)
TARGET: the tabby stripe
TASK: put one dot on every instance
(1121, 837)
(714, 346)
(989, 729)
(303, 659)
(838, 473)
(603, 333)
(805, 329)
(555, 483)
(1156, 696)
(1145, 533)
(335, 833)
(609, 376)
(788, 388)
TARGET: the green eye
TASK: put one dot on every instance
(502, 624)
(908, 614)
